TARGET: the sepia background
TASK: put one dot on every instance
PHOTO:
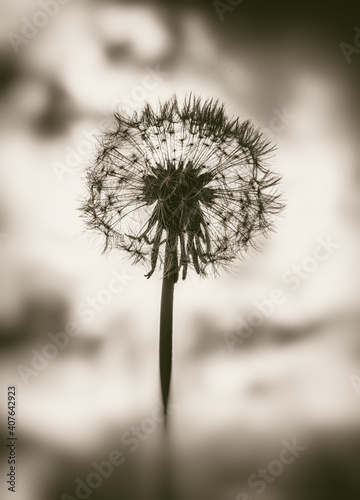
(249, 374)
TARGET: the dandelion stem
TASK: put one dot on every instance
(166, 326)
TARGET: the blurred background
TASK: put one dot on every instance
(79, 331)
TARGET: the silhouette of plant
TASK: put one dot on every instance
(181, 187)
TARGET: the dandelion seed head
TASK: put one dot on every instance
(182, 177)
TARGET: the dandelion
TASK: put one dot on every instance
(181, 187)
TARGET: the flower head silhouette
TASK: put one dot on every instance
(181, 186)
